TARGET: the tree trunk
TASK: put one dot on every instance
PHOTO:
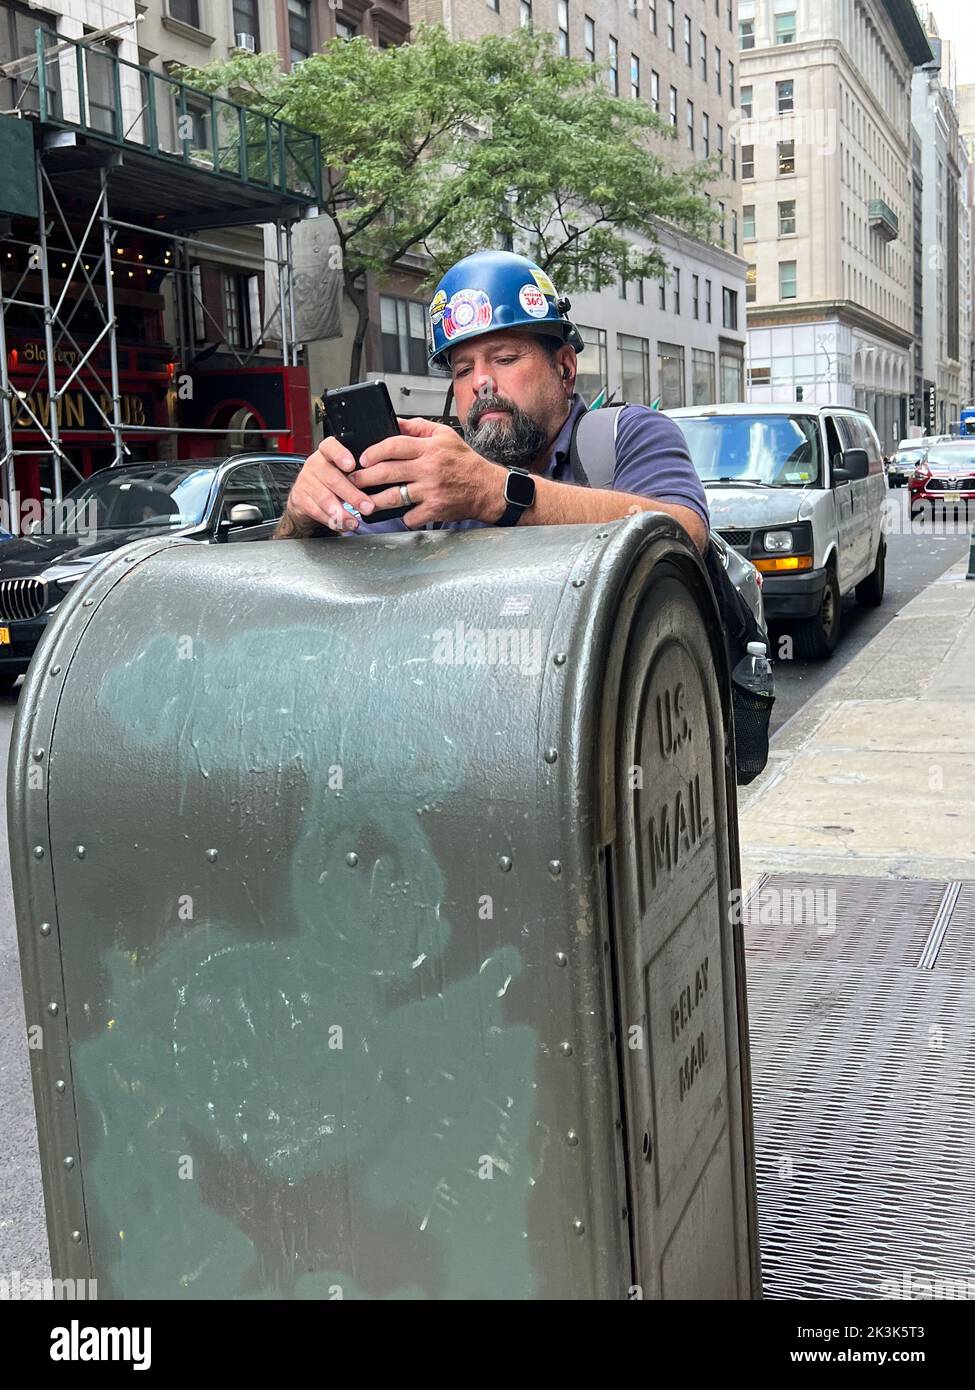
(360, 298)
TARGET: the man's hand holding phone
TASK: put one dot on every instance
(445, 480)
(320, 490)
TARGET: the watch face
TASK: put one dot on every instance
(520, 488)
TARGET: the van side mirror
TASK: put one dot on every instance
(855, 465)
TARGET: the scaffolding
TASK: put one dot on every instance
(138, 167)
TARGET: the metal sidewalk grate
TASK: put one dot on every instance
(876, 921)
(863, 1069)
(958, 948)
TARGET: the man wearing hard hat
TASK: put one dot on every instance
(498, 324)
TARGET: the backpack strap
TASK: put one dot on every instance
(592, 447)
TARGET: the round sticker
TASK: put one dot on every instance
(467, 310)
(533, 301)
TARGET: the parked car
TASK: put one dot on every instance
(944, 475)
(800, 491)
(902, 461)
(240, 498)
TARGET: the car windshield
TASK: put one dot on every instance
(961, 458)
(910, 453)
(770, 450)
(119, 500)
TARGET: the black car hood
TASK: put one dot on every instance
(27, 557)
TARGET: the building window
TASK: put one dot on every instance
(729, 307)
(655, 91)
(702, 377)
(652, 7)
(671, 34)
(746, 101)
(526, 14)
(639, 289)
(564, 28)
(751, 284)
(720, 146)
(717, 69)
(732, 375)
(670, 376)
(344, 29)
(734, 231)
(402, 325)
(748, 221)
(688, 55)
(246, 21)
(746, 33)
(734, 158)
(690, 125)
(706, 134)
(787, 218)
(748, 161)
(785, 28)
(673, 106)
(237, 315)
(731, 82)
(299, 29)
(784, 96)
(186, 10)
(707, 300)
(590, 40)
(663, 295)
(613, 75)
(721, 210)
(634, 77)
(787, 156)
(634, 368)
(101, 95)
(696, 296)
(787, 279)
(676, 289)
(704, 55)
(590, 382)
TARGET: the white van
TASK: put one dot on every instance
(800, 490)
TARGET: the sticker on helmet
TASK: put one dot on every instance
(467, 310)
(438, 305)
(533, 301)
(544, 283)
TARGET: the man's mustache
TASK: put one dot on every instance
(480, 408)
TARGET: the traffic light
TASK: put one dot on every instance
(798, 393)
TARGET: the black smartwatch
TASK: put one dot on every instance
(519, 493)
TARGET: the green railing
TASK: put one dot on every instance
(94, 90)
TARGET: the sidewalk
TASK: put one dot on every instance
(876, 774)
(862, 1019)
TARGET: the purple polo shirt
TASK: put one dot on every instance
(651, 461)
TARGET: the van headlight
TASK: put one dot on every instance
(776, 542)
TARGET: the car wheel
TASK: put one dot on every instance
(870, 591)
(816, 638)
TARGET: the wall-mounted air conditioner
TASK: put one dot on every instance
(245, 41)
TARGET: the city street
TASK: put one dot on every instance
(914, 560)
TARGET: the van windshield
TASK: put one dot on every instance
(770, 450)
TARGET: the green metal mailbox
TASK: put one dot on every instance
(373, 901)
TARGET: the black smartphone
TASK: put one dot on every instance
(359, 416)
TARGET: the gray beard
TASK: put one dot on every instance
(515, 442)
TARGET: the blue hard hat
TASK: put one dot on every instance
(491, 291)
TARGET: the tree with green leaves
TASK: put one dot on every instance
(441, 148)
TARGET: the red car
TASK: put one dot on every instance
(943, 477)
